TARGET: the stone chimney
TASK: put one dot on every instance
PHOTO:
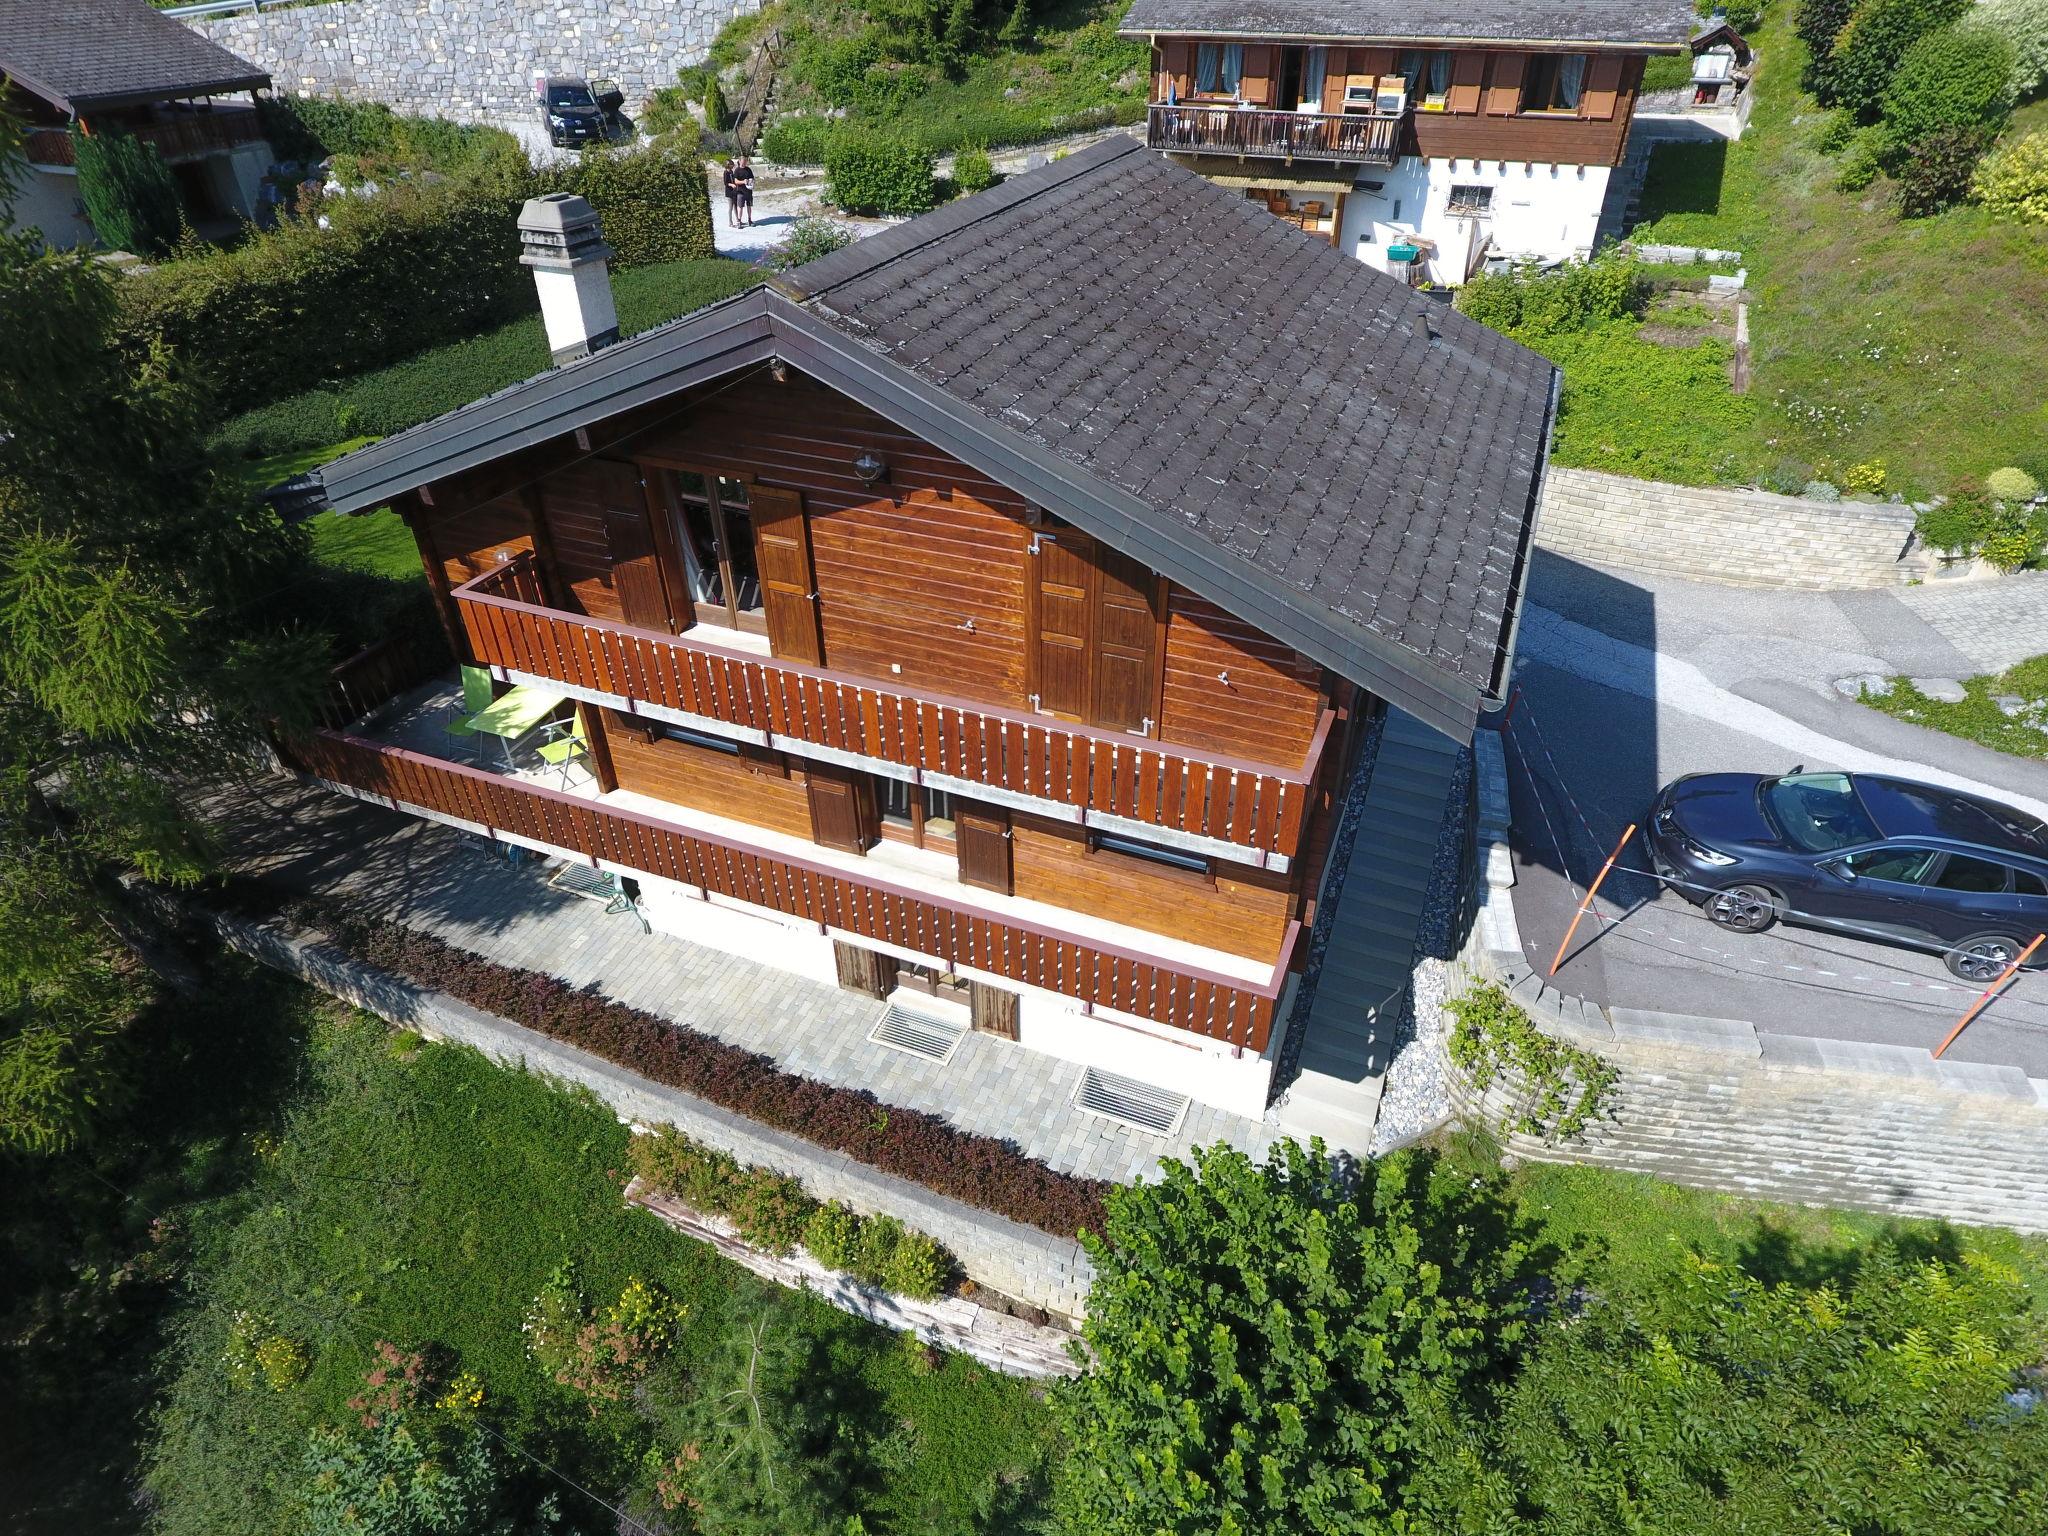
(560, 240)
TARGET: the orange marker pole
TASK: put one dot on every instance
(1978, 1007)
(1587, 905)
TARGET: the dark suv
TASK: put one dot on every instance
(574, 114)
(1880, 858)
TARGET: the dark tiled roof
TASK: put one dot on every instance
(86, 54)
(1367, 451)
(1666, 22)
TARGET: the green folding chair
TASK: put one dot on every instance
(476, 698)
(564, 747)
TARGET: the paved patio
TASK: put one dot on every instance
(302, 839)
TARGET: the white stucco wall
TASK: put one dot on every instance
(47, 200)
(1539, 211)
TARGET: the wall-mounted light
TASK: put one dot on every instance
(778, 370)
(1223, 677)
(869, 468)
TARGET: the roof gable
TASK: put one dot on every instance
(1611, 23)
(80, 55)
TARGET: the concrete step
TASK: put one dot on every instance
(1342, 1113)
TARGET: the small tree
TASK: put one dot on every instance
(1016, 28)
(128, 192)
(1280, 1351)
(1938, 168)
(1959, 77)
(1819, 23)
(2012, 181)
(1869, 49)
(715, 111)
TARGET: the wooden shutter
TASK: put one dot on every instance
(1127, 643)
(992, 1010)
(842, 807)
(1371, 63)
(782, 554)
(1336, 75)
(1065, 581)
(864, 970)
(1504, 94)
(1468, 70)
(1176, 64)
(981, 838)
(1261, 61)
(629, 543)
(1603, 87)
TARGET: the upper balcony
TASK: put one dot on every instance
(1349, 138)
(175, 137)
(1248, 812)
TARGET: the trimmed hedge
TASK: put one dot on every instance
(979, 1170)
(877, 173)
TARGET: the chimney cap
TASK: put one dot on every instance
(560, 230)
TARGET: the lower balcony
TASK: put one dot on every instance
(175, 136)
(1352, 138)
(412, 764)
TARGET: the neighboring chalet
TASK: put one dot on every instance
(993, 610)
(1427, 140)
(118, 66)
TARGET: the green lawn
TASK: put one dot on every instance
(1919, 342)
(1977, 718)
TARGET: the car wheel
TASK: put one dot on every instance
(1983, 959)
(1742, 909)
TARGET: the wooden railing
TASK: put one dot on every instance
(1219, 1007)
(375, 675)
(1352, 137)
(1253, 805)
(193, 135)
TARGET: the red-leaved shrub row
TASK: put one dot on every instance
(979, 1170)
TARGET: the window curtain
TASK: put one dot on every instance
(1208, 67)
(1413, 66)
(1314, 66)
(1571, 81)
(1439, 74)
(1233, 66)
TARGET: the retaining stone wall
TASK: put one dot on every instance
(1022, 1262)
(471, 59)
(1746, 538)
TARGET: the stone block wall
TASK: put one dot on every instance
(1743, 537)
(470, 59)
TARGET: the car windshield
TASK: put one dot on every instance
(561, 97)
(1818, 812)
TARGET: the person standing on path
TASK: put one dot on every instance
(732, 196)
(741, 178)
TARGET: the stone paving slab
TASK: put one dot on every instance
(441, 881)
(1994, 623)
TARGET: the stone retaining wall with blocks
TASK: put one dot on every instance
(1746, 538)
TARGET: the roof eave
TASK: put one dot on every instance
(1351, 40)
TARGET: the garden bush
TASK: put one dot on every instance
(1821, 490)
(1958, 77)
(652, 203)
(918, 1268)
(1837, 133)
(972, 170)
(832, 1235)
(2012, 181)
(1527, 303)
(1952, 526)
(311, 128)
(798, 140)
(2024, 24)
(771, 1211)
(2014, 537)
(1938, 168)
(2012, 484)
(1868, 51)
(128, 193)
(878, 173)
(1819, 24)
(1863, 163)
(1565, 1085)
(809, 238)
(874, 1250)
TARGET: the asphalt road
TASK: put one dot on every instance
(1604, 721)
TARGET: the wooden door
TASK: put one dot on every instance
(1126, 643)
(629, 542)
(992, 1010)
(782, 553)
(842, 808)
(1065, 603)
(981, 836)
(864, 970)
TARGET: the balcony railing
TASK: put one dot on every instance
(1228, 1009)
(1348, 137)
(1252, 806)
(197, 134)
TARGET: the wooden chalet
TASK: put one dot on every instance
(993, 608)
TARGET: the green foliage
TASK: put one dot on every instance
(2023, 24)
(2014, 537)
(716, 113)
(2012, 181)
(1528, 304)
(972, 171)
(1838, 133)
(1956, 525)
(918, 1267)
(1632, 407)
(1938, 169)
(1869, 50)
(1978, 716)
(2012, 484)
(1016, 28)
(808, 239)
(128, 192)
(1864, 162)
(1667, 72)
(1561, 1087)
(652, 203)
(403, 394)
(258, 1355)
(668, 112)
(874, 1250)
(770, 1210)
(832, 1235)
(1957, 77)
(383, 143)
(1819, 24)
(1281, 1350)
(871, 173)
(798, 140)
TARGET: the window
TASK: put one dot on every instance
(1819, 812)
(1553, 82)
(715, 532)
(1302, 72)
(2025, 884)
(914, 813)
(705, 739)
(1428, 76)
(1152, 853)
(1901, 866)
(1218, 68)
(1963, 873)
(1471, 200)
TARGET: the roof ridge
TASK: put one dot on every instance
(866, 256)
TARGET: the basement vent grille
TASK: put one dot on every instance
(582, 880)
(1129, 1102)
(917, 1034)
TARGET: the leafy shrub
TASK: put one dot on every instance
(599, 1355)
(1958, 77)
(668, 112)
(1953, 526)
(1821, 490)
(128, 192)
(1837, 133)
(2023, 24)
(1865, 479)
(2012, 181)
(1493, 1037)
(2012, 484)
(917, 1268)
(1868, 51)
(831, 1235)
(1819, 24)
(2014, 537)
(874, 1251)
(716, 113)
(257, 1354)
(798, 140)
(771, 1211)
(878, 173)
(809, 239)
(1938, 170)
(1575, 297)
(1863, 163)
(652, 203)
(972, 170)
(675, 1164)
(312, 128)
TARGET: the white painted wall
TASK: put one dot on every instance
(47, 200)
(1539, 211)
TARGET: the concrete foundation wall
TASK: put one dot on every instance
(1713, 533)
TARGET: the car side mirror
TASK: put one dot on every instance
(1840, 869)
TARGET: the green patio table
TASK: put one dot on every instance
(518, 712)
